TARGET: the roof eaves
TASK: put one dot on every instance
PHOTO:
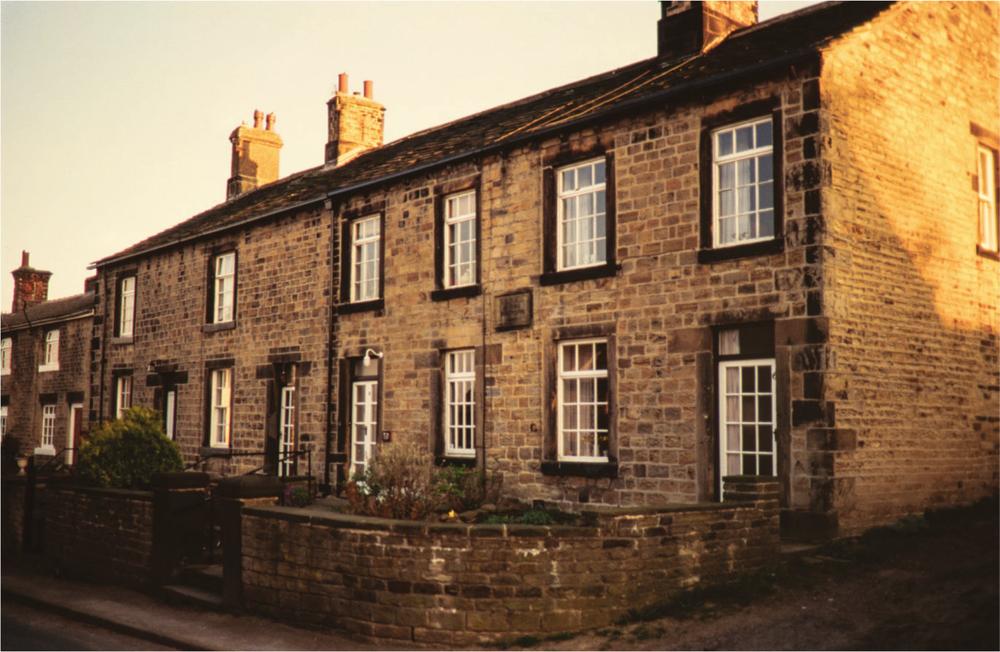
(204, 234)
(611, 111)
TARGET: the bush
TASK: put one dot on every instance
(396, 484)
(127, 452)
(463, 489)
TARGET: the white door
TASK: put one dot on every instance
(286, 438)
(747, 417)
(170, 413)
(364, 399)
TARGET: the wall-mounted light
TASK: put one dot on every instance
(369, 354)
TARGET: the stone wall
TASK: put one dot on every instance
(13, 497)
(281, 318)
(101, 534)
(912, 365)
(657, 310)
(406, 582)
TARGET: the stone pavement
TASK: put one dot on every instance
(138, 614)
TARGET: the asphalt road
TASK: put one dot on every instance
(28, 628)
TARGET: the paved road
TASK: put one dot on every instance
(27, 628)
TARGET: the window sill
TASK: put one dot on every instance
(456, 293)
(582, 274)
(987, 253)
(5, 372)
(581, 469)
(454, 460)
(45, 450)
(361, 306)
(221, 326)
(122, 340)
(43, 368)
(215, 451)
(774, 246)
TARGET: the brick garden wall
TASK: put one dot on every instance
(102, 534)
(912, 365)
(455, 584)
(13, 514)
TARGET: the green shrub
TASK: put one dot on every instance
(125, 453)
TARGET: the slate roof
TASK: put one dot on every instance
(49, 311)
(771, 42)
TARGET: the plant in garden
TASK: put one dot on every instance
(297, 496)
(127, 452)
(396, 484)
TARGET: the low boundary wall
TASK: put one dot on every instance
(101, 534)
(460, 584)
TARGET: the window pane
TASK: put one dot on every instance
(765, 437)
(766, 223)
(725, 143)
(732, 408)
(732, 380)
(727, 202)
(766, 166)
(747, 199)
(749, 438)
(585, 177)
(569, 357)
(766, 193)
(766, 465)
(727, 230)
(569, 391)
(732, 438)
(602, 355)
(733, 464)
(748, 379)
(587, 389)
(744, 138)
(749, 413)
(586, 357)
(764, 409)
(764, 134)
(746, 171)
(727, 176)
(747, 227)
(599, 172)
(764, 380)
(749, 465)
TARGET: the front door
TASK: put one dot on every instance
(74, 431)
(364, 421)
(747, 417)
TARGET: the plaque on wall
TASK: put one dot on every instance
(513, 310)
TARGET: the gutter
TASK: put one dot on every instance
(658, 97)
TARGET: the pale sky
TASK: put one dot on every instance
(115, 117)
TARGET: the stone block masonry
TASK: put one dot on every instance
(101, 534)
(404, 582)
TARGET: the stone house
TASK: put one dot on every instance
(771, 249)
(45, 353)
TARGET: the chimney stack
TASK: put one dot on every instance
(688, 26)
(355, 122)
(31, 285)
(255, 155)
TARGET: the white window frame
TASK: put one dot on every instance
(6, 354)
(600, 211)
(170, 414)
(724, 416)
(369, 421)
(589, 374)
(224, 288)
(286, 431)
(70, 443)
(459, 383)
(360, 279)
(50, 351)
(123, 395)
(48, 441)
(221, 408)
(454, 219)
(126, 307)
(987, 192)
(756, 154)
(3, 421)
